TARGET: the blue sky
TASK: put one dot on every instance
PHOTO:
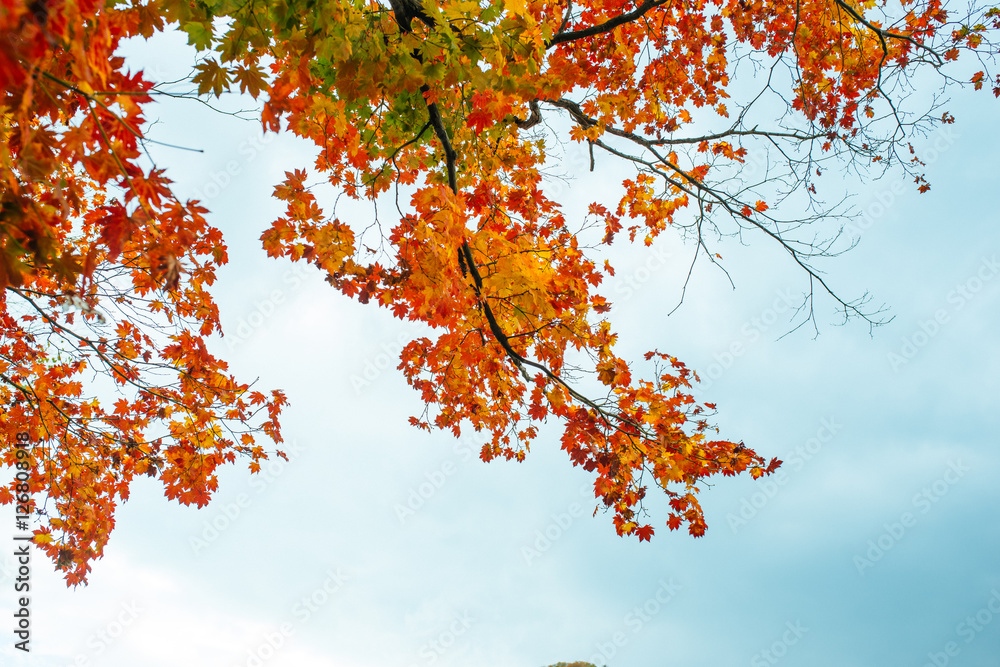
(878, 544)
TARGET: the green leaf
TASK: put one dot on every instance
(199, 35)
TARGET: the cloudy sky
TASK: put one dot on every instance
(375, 545)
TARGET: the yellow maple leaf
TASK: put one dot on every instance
(518, 7)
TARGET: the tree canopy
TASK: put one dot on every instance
(448, 113)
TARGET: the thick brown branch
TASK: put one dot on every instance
(607, 26)
(406, 10)
(442, 134)
(533, 119)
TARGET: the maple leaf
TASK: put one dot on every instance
(166, 269)
(518, 7)
(251, 80)
(116, 229)
(213, 77)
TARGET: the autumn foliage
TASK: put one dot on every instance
(449, 109)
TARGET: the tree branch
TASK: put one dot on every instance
(613, 420)
(695, 188)
(601, 28)
(882, 34)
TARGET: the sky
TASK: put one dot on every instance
(877, 543)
